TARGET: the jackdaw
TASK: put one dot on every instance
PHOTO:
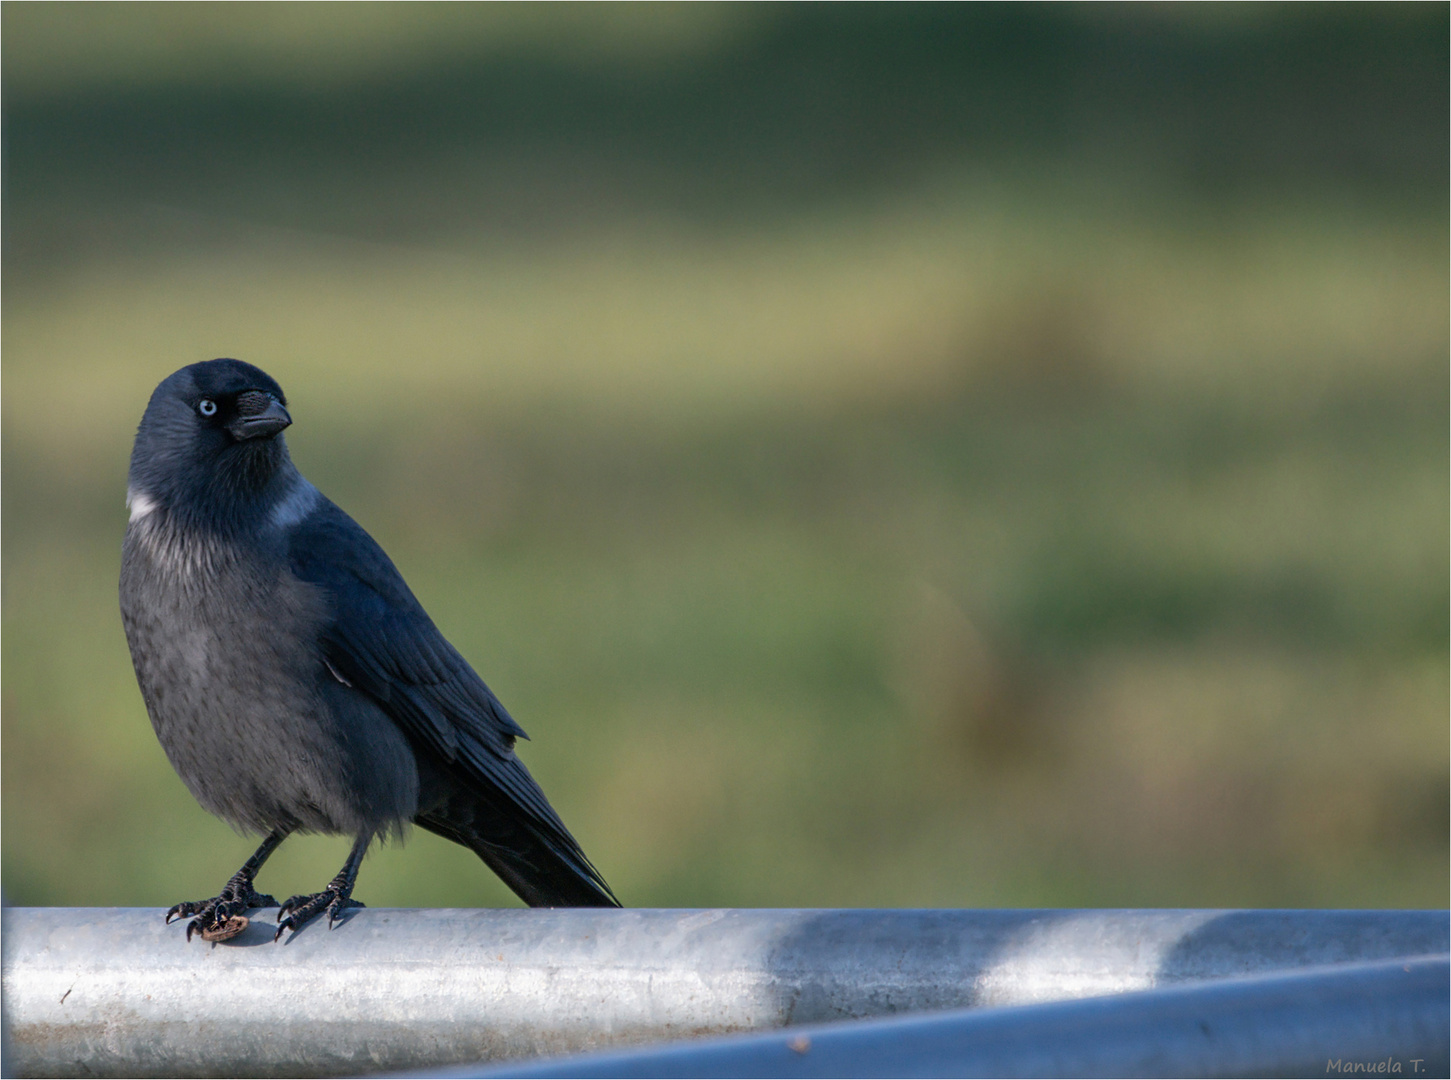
(293, 679)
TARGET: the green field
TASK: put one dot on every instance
(881, 459)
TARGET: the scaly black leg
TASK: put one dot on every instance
(335, 899)
(221, 917)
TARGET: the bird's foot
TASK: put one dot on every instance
(221, 917)
(301, 910)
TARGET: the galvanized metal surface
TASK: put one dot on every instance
(1385, 1019)
(113, 992)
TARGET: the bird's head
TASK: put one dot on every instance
(210, 441)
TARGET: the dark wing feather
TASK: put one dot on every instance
(381, 641)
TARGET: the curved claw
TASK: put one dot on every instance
(290, 923)
(301, 910)
(338, 906)
(221, 917)
(185, 908)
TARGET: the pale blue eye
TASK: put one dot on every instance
(207, 407)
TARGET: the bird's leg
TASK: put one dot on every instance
(221, 917)
(335, 899)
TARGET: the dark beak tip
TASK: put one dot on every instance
(264, 425)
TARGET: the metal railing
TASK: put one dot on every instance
(1391, 1018)
(113, 992)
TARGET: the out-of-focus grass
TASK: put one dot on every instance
(309, 46)
(905, 300)
(961, 541)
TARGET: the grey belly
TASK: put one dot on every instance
(250, 717)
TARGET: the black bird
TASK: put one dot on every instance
(293, 679)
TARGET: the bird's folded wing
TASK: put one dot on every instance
(380, 640)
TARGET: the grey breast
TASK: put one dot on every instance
(224, 641)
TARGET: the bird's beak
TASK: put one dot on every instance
(262, 425)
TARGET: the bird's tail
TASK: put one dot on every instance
(534, 855)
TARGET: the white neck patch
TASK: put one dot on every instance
(140, 503)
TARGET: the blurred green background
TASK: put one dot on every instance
(883, 455)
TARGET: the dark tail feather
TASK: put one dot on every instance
(540, 861)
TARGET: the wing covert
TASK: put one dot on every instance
(380, 640)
